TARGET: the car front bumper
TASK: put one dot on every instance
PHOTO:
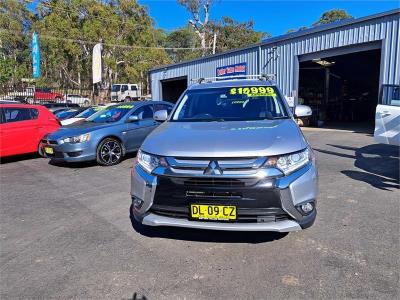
(66, 152)
(273, 206)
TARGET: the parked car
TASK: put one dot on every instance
(23, 126)
(106, 136)
(78, 99)
(45, 95)
(387, 117)
(85, 114)
(54, 107)
(125, 92)
(229, 157)
(68, 113)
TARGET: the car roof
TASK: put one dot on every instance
(20, 105)
(231, 83)
(140, 103)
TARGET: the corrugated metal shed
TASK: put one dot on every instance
(281, 55)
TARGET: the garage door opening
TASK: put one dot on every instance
(341, 90)
(172, 89)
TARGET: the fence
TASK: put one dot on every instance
(40, 95)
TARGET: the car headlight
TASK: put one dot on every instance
(291, 162)
(77, 139)
(149, 162)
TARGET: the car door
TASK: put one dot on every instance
(387, 117)
(19, 131)
(138, 130)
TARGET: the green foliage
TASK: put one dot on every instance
(232, 34)
(14, 19)
(332, 15)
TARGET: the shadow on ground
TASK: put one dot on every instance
(199, 235)
(85, 164)
(379, 164)
(16, 158)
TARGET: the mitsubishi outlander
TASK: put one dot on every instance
(230, 156)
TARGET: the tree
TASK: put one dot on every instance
(69, 29)
(183, 38)
(332, 15)
(14, 45)
(232, 34)
(200, 10)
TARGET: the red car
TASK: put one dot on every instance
(48, 95)
(22, 126)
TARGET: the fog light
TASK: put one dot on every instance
(307, 207)
(137, 203)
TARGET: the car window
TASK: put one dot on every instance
(124, 88)
(116, 88)
(12, 114)
(390, 95)
(34, 113)
(231, 104)
(110, 114)
(133, 88)
(2, 118)
(144, 112)
(166, 107)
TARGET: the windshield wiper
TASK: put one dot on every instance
(277, 118)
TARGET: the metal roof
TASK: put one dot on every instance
(288, 36)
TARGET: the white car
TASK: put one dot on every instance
(78, 99)
(125, 92)
(387, 117)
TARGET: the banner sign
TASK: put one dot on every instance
(35, 56)
(96, 63)
(232, 70)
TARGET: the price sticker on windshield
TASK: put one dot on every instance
(254, 91)
(125, 106)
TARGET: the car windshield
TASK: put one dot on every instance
(110, 114)
(115, 88)
(231, 104)
(65, 114)
(90, 111)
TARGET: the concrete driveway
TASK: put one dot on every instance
(65, 232)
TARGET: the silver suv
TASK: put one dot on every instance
(229, 157)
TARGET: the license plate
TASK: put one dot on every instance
(213, 212)
(49, 150)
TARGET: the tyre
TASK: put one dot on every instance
(40, 151)
(30, 100)
(127, 99)
(86, 103)
(58, 99)
(109, 152)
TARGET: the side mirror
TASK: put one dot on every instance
(302, 111)
(132, 119)
(161, 115)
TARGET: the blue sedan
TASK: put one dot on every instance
(105, 136)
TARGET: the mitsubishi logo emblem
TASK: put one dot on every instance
(213, 169)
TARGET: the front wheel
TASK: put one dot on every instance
(30, 100)
(109, 152)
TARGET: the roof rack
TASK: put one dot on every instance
(262, 77)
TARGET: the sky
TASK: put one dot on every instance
(272, 16)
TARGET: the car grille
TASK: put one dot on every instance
(49, 142)
(215, 182)
(215, 166)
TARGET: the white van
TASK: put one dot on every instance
(387, 117)
(125, 92)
